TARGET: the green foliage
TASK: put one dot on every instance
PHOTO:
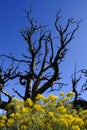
(47, 113)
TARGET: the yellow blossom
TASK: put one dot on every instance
(46, 99)
(66, 99)
(68, 118)
(10, 122)
(2, 121)
(50, 114)
(28, 102)
(75, 127)
(74, 112)
(63, 123)
(62, 109)
(61, 102)
(24, 110)
(70, 94)
(23, 127)
(2, 125)
(15, 100)
(12, 115)
(4, 117)
(78, 121)
(37, 107)
(17, 115)
(53, 98)
(62, 94)
(39, 96)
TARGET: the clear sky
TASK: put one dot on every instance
(12, 18)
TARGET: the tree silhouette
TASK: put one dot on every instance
(44, 56)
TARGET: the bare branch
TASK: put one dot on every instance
(7, 94)
(14, 59)
(18, 93)
(60, 85)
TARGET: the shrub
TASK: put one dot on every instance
(47, 113)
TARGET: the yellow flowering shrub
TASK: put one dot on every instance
(47, 113)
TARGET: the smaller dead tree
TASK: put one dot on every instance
(75, 82)
(78, 102)
(45, 54)
(5, 76)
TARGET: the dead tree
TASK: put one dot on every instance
(75, 82)
(45, 54)
(5, 76)
(78, 102)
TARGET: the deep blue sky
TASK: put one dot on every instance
(12, 18)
